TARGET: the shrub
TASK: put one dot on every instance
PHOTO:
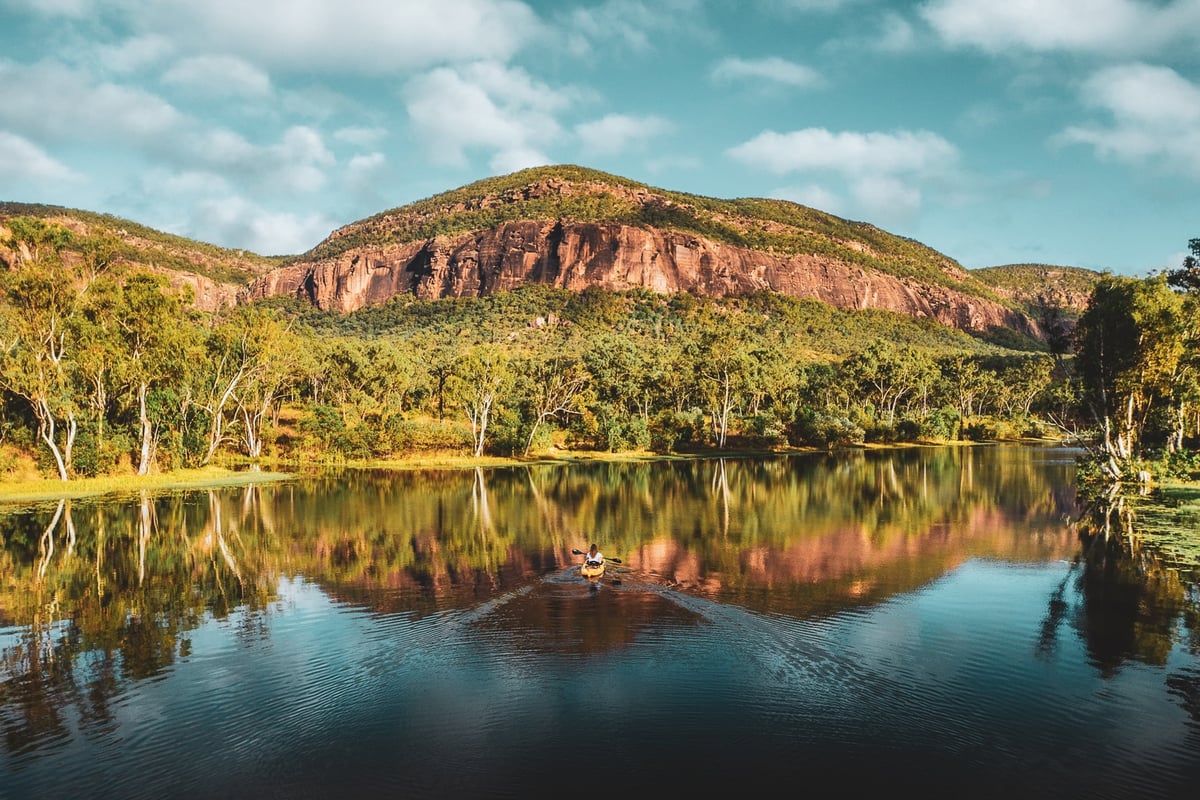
(817, 429)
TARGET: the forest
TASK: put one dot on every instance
(107, 370)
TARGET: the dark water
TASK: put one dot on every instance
(919, 621)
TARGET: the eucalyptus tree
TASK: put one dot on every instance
(483, 378)
(251, 363)
(885, 375)
(553, 379)
(620, 394)
(1184, 413)
(962, 382)
(1129, 351)
(41, 295)
(1022, 380)
(396, 376)
(725, 357)
(149, 333)
(440, 357)
(101, 370)
(271, 372)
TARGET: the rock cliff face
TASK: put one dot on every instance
(615, 256)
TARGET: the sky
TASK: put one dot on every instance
(1061, 132)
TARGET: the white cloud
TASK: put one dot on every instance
(239, 222)
(218, 75)
(49, 101)
(77, 9)
(631, 24)
(849, 152)
(366, 163)
(484, 106)
(881, 172)
(895, 34)
(362, 168)
(177, 184)
(134, 54)
(808, 6)
(885, 199)
(22, 160)
(360, 136)
(361, 36)
(1073, 25)
(616, 133)
(1155, 117)
(772, 70)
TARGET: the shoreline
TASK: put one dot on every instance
(239, 473)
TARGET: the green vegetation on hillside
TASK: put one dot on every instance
(1029, 281)
(584, 195)
(105, 371)
(137, 244)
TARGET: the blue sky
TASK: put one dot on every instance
(1046, 131)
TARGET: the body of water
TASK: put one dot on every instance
(926, 620)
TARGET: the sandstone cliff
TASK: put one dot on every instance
(576, 228)
(610, 255)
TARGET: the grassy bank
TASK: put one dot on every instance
(238, 472)
(53, 489)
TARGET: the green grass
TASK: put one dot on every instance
(52, 489)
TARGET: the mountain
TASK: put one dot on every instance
(572, 227)
(215, 275)
(576, 228)
(1035, 287)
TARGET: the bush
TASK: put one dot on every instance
(817, 429)
(427, 436)
(942, 424)
(671, 430)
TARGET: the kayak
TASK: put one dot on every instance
(591, 572)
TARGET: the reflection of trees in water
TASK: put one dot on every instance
(114, 591)
(1133, 605)
(108, 598)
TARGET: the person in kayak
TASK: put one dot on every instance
(593, 558)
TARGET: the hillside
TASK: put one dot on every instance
(1035, 286)
(216, 275)
(576, 228)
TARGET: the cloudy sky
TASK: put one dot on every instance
(1045, 131)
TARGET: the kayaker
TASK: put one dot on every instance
(594, 557)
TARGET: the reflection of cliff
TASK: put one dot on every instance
(850, 565)
(580, 619)
(100, 593)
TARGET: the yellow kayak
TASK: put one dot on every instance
(590, 571)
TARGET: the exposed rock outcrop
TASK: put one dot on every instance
(578, 255)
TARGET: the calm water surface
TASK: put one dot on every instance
(920, 621)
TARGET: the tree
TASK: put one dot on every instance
(555, 379)
(149, 332)
(724, 365)
(35, 331)
(483, 378)
(1129, 350)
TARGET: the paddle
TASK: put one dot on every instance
(606, 558)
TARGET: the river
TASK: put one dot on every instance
(927, 621)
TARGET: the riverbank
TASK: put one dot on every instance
(53, 489)
(240, 472)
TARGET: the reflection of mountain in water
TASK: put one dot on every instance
(126, 581)
(568, 617)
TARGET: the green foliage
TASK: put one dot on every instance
(575, 194)
(117, 240)
(819, 429)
